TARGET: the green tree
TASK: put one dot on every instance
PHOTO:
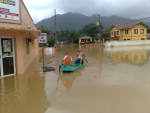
(51, 41)
(44, 30)
(106, 33)
(90, 30)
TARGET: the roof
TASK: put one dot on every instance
(96, 38)
(128, 26)
(85, 37)
(61, 39)
(105, 37)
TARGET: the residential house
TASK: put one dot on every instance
(132, 31)
(96, 39)
(61, 40)
(104, 39)
(85, 39)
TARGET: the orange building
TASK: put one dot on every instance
(18, 38)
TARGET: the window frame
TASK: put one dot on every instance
(135, 31)
(126, 31)
(117, 32)
(142, 31)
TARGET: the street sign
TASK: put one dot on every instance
(43, 38)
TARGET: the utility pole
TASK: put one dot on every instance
(55, 23)
(99, 25)
(99, 20)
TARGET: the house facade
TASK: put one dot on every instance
(85, 39)
(133, 31)
(18, 38)
(61, 41)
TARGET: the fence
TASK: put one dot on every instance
(127, 43)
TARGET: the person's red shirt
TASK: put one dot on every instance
(67, 60)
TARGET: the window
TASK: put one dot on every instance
(128, 39)
(142, 39)
(117, 32)
(124, 39)
(126, 31)
(142, 31)
(135, 31)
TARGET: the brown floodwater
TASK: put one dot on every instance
(116, 80)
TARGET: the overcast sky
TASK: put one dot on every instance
(40, 9)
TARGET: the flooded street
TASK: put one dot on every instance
(116, 80)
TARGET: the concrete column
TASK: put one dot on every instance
(79, 41)
(103, 40)
(19, 55)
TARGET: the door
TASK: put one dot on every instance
(7, 60)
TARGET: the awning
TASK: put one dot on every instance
(20, 29)
(33, 37)
(29, 33)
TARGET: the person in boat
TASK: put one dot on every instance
(67, 60)
(81, 57)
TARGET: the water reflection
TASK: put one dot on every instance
(23, 94)
(133, 55)
(99, 87)
(69, 78)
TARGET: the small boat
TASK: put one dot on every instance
(73, 67)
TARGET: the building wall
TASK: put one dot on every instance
(131, 35)
(112, 34)
(23, 60)
(114, 30)
(84, 40)
(19, 33)
(26, 19)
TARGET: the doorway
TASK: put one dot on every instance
(7, 57)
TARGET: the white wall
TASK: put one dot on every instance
(127, 43)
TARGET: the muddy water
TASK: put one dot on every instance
(116, 80)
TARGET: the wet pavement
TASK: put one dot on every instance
(116, 80)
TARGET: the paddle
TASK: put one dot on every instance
(85, 59)
(83, 56)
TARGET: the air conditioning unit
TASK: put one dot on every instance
(29, 27)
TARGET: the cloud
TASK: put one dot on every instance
(126, 8)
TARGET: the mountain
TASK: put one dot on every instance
(76, 21)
